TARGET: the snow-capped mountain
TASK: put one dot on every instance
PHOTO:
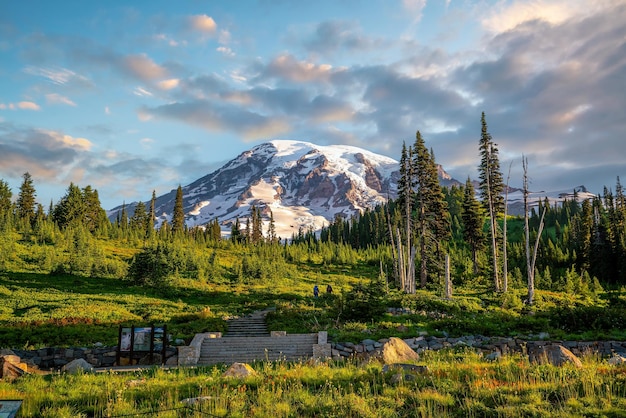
(516, 198)
(303, 184)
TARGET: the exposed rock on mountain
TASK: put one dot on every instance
(304, 185)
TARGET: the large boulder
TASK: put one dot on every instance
(76, 366)
(11, 366)
(397, 351)
(239, 370)
(554, 354)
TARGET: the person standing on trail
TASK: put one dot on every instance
(316, 291)
(329, 290)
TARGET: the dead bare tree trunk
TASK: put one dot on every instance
(505, 264)
(530, 260)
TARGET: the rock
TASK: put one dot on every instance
(239, 370)
(179, 341)
(554, 354)
(406, 367)
(11, 367)
(617, 360)
(77, 366)
(493, 356)
(200, 399)
(397, 351)
(400, 377)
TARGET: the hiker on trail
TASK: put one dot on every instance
(329, 290)
(316, 291)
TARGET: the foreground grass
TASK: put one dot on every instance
(458, 384)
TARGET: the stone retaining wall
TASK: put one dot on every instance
(486, 345)
(54, 358)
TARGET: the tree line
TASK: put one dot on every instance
(575, 245)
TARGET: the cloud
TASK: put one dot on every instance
(43, 153)
(203, 23)
(340, 36)
(214, 117)
(60, 76)
(288, 68)
(506, 16)
(168, 84)
(142, 92)
(20, 105)
(225, 51)
(552, 98)
(55, 98)
(142, 67)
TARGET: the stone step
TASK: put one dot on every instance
(248, 349)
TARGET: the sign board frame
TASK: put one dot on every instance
(135, 342)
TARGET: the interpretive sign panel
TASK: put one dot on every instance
(9, 408)
(137, 342)
(143, 339)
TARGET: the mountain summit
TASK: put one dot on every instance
(303, 184)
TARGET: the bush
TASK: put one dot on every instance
(151, 267)
(363, 302)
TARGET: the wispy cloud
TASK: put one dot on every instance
(25, 105)
(55, 98)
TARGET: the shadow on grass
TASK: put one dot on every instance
(33, 323)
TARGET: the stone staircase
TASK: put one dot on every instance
(248, 349)
(252, 325)
(247, 340)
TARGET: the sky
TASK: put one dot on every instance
(131, 97)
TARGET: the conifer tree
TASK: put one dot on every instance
(140, 218)
(151, 216)
(178, 217)
(473, 221)
(432, 223)
(491, 188)
(70, 209)
(256, 236)
(271, 229)
(235, 231)
(25, 205)
(123, 218)
(93, 216)
(5, 204)
(405, 266)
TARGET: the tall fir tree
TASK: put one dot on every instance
(271, 229)
(70, 209)
(178, 217)
(151, 216)
(405, 248)
(25, 205)
(6, 207)
(94, 216)
(235, 231)
(432, 222)
(491, 188)
(140, 218)
(473, 221)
